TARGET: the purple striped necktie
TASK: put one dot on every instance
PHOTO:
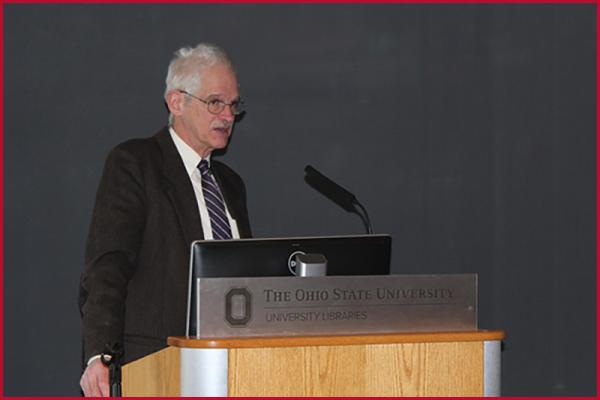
(214, 203)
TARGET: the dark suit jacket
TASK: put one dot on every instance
(134, 287)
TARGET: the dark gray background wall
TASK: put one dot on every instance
(468, 131)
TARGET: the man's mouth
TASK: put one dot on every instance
(222, 130)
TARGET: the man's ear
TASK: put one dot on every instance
(175, 102)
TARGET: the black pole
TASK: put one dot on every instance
(112, 358)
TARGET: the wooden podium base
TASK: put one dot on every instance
(410, 364)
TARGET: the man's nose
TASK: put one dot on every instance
(227, 112)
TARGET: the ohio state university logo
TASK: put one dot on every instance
(238, 307)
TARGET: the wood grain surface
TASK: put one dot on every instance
(404, 369)
(155, 375)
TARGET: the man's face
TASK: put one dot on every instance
(199, 128)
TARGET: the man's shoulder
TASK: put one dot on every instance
(141, 145)
(148, 148)
(224, 170)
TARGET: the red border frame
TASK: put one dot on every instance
(304, 2)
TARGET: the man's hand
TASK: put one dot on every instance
(94, 380)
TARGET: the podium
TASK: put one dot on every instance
(393, 335)
(465, 363)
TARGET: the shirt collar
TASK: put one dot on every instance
(190, 158)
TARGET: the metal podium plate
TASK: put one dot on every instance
(333, 305)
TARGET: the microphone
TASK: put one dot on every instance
(329, 189)
(336, 193)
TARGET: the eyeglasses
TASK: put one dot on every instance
(216, 106)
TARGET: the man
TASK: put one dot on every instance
(156, 196)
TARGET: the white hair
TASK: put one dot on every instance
(185, 69)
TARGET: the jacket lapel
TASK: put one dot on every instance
(179, 189)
